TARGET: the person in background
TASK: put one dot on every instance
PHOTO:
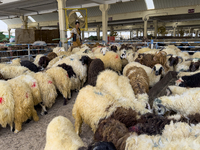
(76, 35)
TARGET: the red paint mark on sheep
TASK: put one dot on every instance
(26, 95)
(34, 84)
(67, 75)
(117, 56)
(1, 100)
(50, 82)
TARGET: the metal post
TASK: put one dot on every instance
(152, 44)
(29, 52)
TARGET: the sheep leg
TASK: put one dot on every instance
(78, 123)
(65, 101)
(69, 94)
(35, 116)
(11, 127)
(119, 73)
(44, 111)
(18, 126)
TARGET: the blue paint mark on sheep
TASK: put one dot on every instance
(98, 93)
(71, 59)
(158, 100)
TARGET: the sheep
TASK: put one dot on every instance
(111, 60)
(43, 62)
(58, 49)
(92, 105)
(10, 72)
(37, 58)
(101, 146)
(31, 66)
(120, 88)
(16, 62)
(75, 82)
(184, 104)
(131, 56)
(52, 55)
(61, 80)
(7, 104)
(47, 89)
(94, 67)
(153, 74)
(173, 61)
(193, 65)
(61, 135)
(143, 50)
(53, 61)
(24, 105)
(196, 55)
(179, 90)
(189, 81)
(79, 69)
(180, 74)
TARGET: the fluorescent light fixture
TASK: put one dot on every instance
(31, 18)
(150, 4)
(8, 1)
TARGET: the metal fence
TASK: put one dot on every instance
(11, 51)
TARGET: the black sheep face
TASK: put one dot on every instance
(102, 146)
(114, 48)
(194, 66)
(44, 61)
(84, 60)
(173, 61)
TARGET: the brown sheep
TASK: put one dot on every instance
(138, 80)
(52, 55)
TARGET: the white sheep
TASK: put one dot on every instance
(7, 104)
(185, 104)
(153, 74)
(61, 80)
(61, 135)
(24, 105)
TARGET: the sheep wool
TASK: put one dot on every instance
(61, 79)
(16, 62)
(145, 49)
(24, 105)
(10, 72)
(47, 88)
(7, 103)
(91, 106)
(61, 135)
(33, 85)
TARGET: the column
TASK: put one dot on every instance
(24, 21)
(82, 34)
(9, 33)
(137, 33)
(104, 9)
(98, 32)
(145, 19)
(61, 16)
(155, 23)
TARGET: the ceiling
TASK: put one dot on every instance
(41, 10)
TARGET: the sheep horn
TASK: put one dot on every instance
(180, 58)
(162, 48)
(189, 59)
(170, 55)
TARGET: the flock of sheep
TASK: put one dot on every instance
(114, 102)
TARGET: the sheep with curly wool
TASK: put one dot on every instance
(10, 72)
(7, 104)
(24, 105)
(153, 74)
(120, 88)
(47, 88)
(79, 69)
(184, 104)
(111, 60)
(52, 55)
(61, 80)
(61, 135)
(92, 105)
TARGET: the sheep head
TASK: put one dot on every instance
(174, 60)
(104, 50)
(194, 64)
(158, 69)
(159, 109)
(44, 61)
(123, 54)
(85, 60)
(114, 48)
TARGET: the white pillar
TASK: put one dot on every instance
(9, 33)
(61, 15)
(98, 32)
(104, 9)
(155, 22)
(145, 19)
(24, 21)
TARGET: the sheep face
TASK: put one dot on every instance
(104, 50)
(123, 54)
(194, 66)
(158, 69)
(159, 109)
(114, 48)
(84, 60)
(44, 61)
(174, 60)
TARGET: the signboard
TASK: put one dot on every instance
(190, 10)
(110, 19)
